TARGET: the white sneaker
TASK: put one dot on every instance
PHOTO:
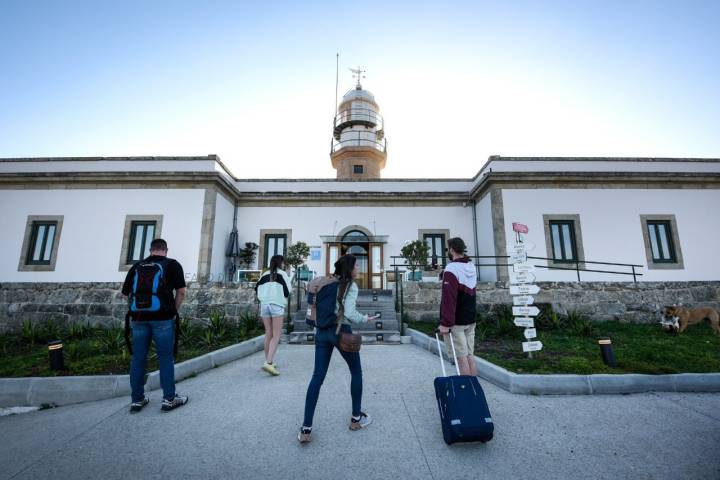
(360, 422)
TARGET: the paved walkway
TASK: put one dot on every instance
(241, 423)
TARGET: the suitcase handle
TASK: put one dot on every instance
(440, 354)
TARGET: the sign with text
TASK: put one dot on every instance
(520, 228)
(526, 322)
(523, 267)
(523, 300)
(530, 333)
(524, 289)
(532, 346)
(518, 257)
(526, 311)
(522, 277)
(521, 247)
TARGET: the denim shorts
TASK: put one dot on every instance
(271, 310)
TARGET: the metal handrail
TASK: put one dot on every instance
(576, 269)
(358, 142)
(359, 114)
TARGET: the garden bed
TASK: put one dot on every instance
(98, 351)
(570, 345)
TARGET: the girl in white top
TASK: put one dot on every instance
(273, 290)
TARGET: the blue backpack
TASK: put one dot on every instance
(321, 298)
(149, 287)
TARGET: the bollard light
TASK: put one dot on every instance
(55, 353)
(379, 337)
(375, 296)
(606, 352)
(310, 337)
(378, 325)
(378, 314)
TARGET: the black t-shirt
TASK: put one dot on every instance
(174, 280)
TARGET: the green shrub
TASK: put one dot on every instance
(52, 331)
(579, 325)
(206, 339)
(189, 334)
(31, 333)
(79, 330)
(112, 340)
(217, 325)
(548, 319)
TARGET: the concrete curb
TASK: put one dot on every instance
(36, 391)
(581, 384)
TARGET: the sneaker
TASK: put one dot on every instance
(176, 402)
(356, 423)
(270, 368)
(137, 406)
(304, 435)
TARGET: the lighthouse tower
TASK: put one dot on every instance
(358, 149)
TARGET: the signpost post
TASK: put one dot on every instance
(522, 289)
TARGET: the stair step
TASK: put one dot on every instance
(369, 337)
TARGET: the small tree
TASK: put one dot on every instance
(247, 254)
(296, 255)
(415, 254)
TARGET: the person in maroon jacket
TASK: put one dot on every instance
(457, 305)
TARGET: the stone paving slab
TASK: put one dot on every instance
(242, 423)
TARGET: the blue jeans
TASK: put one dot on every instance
(325, 342)
(163, 332)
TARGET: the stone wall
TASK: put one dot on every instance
(102, 303)
(639, 302)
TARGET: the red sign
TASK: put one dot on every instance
(520, 228)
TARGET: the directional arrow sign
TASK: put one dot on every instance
(523, 300)
(526, 322)
(522, 277)
(523, 267)
(521, 247)
(532, 346)
(524, 289)
(518, 257)
(526, 311)
(530, 333)
(519, 227)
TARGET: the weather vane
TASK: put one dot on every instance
(358, 73)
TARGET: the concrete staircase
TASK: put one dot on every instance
(383, 331)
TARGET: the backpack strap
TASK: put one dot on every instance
(341, 310)
(177, 333)
(127, 332)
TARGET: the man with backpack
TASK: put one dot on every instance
(457, 305)
(153, 309)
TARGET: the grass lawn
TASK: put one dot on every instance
(638, 349)
(95, 351)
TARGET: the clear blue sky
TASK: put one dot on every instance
(456, 81)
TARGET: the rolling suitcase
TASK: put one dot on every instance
(464, 412)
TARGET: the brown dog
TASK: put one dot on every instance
(678, 318)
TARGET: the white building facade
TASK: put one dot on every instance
(89, 219)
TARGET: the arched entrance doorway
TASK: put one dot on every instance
(366, 247)
(356, 243)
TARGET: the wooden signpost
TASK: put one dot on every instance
(521, 289)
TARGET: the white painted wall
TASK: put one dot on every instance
(384, 186)
(92, 232)
(599, 165)
(611, 228)
(399, 223)
(221, 235)
(486, 240)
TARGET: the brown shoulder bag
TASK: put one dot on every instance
(347, 342)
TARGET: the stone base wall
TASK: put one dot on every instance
(640, 302)
(103, 304)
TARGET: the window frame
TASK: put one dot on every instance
(123, 266)
(131, 246)
(356, 167)
(441, 255)
(32, 225)
(561, 236)
(266, 253)
(673, 237)
(575, 233)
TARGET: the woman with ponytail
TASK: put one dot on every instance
(346, 270)
(273, 290)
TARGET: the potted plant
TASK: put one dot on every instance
(415, 254)
(247, 255)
